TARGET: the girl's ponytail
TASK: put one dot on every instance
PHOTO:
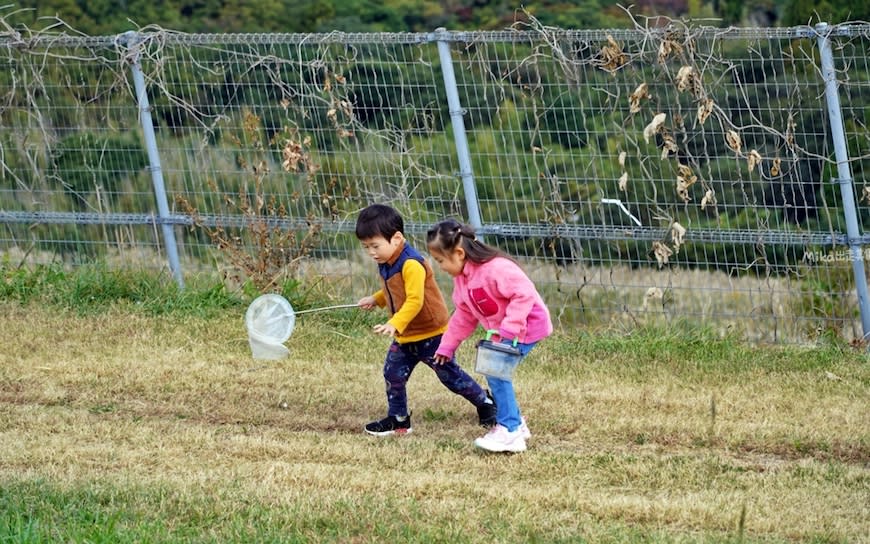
(449, 234)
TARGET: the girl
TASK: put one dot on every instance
(490, 289)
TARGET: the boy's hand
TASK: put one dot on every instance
(367, 303)
(386, 329)
(440, 359)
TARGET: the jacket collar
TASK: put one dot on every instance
(392, 260)
(469, 269)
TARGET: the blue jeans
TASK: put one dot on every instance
(507, 412)
(403, 358)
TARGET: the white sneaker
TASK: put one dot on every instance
(524, 429)
(499, 439)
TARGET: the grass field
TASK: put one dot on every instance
(120, 425)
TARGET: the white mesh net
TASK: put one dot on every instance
(270, 320)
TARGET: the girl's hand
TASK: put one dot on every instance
(367, 303)
(386, 329)
(440, 359)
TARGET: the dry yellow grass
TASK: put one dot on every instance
(620, 447)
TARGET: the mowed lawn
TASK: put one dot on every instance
(123, 427)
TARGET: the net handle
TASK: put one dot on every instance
(327, 308)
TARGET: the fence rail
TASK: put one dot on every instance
(590, 232)
(646, 174)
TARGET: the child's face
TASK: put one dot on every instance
(380, 249)
(451, 262)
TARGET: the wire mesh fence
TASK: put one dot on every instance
(645, 175)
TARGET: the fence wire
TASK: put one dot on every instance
(646, 175)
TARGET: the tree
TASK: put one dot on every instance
(803, 12)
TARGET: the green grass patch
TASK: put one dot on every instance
(36, 512)
(93, 288)
(688, 352)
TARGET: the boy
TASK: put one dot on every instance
(418, 318)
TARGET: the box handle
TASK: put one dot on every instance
(490, 332)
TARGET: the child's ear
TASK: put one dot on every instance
(459, 251)
(397, 237)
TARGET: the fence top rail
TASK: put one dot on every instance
(47, 40)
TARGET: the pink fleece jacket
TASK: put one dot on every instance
(496, 295)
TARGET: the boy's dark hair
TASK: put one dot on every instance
(450, 234)
(379, 220)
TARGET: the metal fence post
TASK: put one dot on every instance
(459, 137)
(154, 160)
(844, 173)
